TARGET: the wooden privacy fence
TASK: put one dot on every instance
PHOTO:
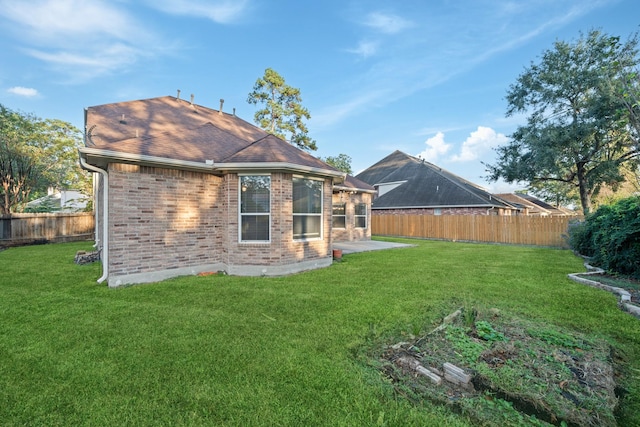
(517, 230)
(21, 229)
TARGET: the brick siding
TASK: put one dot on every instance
(350, 232)
(443, 211)
(164, 219)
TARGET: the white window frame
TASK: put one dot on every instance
(343, 216)
(241, 214)
(320, 215)
(356, 216)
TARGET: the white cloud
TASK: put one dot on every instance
(386, 23)
(28, 92)
(436, 148)
(60, 21)
(80, 39)
(365, 49)
(478, 143)
(221, 12)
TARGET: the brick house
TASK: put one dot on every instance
(184, 189)
(352, 210)
(409, 185)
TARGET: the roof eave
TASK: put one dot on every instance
(359, 190)
(102, 157)
(338, 176)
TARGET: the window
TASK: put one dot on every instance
(437, 211)
(255, 208)
(339, 215)
(361, 215)
(307, 208)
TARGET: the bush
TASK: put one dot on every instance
(611, 237)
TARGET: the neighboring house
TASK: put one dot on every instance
(545, 208)
(409, 185)
(351, 210)
(186, 189)
(525, 207)
(59, 201)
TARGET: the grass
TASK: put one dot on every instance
(224, 350)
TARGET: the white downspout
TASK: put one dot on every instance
(95, 184)
(105, 216)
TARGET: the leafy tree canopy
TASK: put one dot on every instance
(578, 131)
(283, 114)
(36, 154)
(341, 162)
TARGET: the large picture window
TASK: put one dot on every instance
(255, 208)
(307, 208)
(361, 215)
(339, 215)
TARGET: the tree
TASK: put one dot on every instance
(341, 162)
(35, 154)
(283, 113)
(577, 130)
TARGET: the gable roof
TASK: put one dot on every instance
(552, 210)
(522, 203)
(173, 132)
(404, 181)
(351, 183)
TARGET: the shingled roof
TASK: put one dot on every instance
(180, 133)
(351, 183)
(404, 182)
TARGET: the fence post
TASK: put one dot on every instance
(5, 227)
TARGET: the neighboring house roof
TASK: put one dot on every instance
(351, 183)
(546, 206)
(520, 202)
(174, 132)
(404, 181)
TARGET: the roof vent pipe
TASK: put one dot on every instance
(178, 97)
(221, 104)
(234, 111)
(191, 99)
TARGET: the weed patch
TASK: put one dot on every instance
(521, 373)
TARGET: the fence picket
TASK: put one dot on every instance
(517, 230)
(16, 229)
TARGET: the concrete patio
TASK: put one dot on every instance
(367, 245)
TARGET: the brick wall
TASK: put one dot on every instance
(350, 232)
(165, 219)
(443, 211)
(162, 219)
(282, 249)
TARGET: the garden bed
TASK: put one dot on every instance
(520, 373)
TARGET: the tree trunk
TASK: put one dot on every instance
(583, 187)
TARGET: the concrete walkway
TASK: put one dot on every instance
(367, 245)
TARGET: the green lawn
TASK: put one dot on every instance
(222, 350)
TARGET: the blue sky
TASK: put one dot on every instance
(425, 77)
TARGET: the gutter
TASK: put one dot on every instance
(105, 216)
(209, 165)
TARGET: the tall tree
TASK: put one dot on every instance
(283, 114)
(341, 162)
(577, 130)
(35, 154)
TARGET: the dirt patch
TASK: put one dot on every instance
(519, 373)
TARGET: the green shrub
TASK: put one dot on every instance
(611, 237)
